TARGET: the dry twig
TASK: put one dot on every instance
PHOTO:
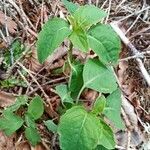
(134, 51)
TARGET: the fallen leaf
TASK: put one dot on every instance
(6, 99)
(6, 143)
(11, 25)
(24, 145)
(35, 65)
(38, 147)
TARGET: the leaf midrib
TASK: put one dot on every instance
(84, 120)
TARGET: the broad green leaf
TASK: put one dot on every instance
(51, 36)
(100, 147)
(32, 135)
(88, 15)
(99, 105)
(107, 136)
(71, 7)
(62, 91)
(51, 126)
(36, 107)
(98, 77)
(10, 123)
(105, 43)
(21, 100)
(79, 39)
(29, 121)
(76, 80)
(78, 130)
(113, 108)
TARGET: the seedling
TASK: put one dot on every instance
(10, 122)
(79, 128)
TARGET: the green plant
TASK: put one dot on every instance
(10, 122)
(78, 127)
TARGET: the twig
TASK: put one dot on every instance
(23, 77)
(139, 55)
(104, 4)
(144, 4)
(108, 12)
(128, 140)
(123, 1)
(134, 51)
(8, 37)
(134, 13)
(23, 54)
(33, 78)
(22, 13)
(4, 38)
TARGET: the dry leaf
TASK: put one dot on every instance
(11, 25)
(24, 145)
(6, 143)
(6, 99)
(38, 147)
(35, 65)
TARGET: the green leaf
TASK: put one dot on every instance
(99, 105)
(78, 129)
(71, 7)
(88, 15)
(12, 82)
(79, 39)
(32, 135)
(29, 121)
(62, 91)
(36, 107)
(51, 36)
(107, 136)
(51, 126)
(113, 108)
(21, 100)
(76, 80)
(105, 43)
(98, 77)
(17, 49)
(10, 123)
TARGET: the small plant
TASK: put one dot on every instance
(79, 128)
(10, 122)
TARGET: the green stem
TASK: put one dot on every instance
(69, 56)
(80, 92)
(69, 53)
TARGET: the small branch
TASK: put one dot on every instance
(8, 37)
(139, 55)
(134, 13)
(34, 79)
(134, 51)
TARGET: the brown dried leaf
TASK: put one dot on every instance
(38, 147)
(11, 25)
(35, 65)
(6, 143)
(24, 145)
(6, 99)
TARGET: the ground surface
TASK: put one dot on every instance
(21, 73)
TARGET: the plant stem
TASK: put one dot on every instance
(69, 56)
(69, 53)
(80, 92)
